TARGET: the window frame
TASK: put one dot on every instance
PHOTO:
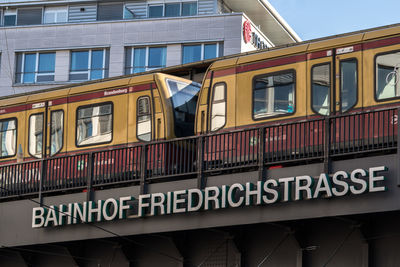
(16, 137)
(156, 4)
(27, 8)
(147, 56)
(43, 133)
(293, 71)
(94, 105)
(376, 78)
(330, 87)
(219, 101)
(51, 128)
(107, 4)
(151, 118)
(36, 73)
(104, 69)
(10, 12)
(163, 4)
(340, 83)
(202, 47)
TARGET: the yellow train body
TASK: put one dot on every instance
(358, 71)
(90, 116)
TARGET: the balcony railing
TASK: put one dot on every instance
(314, 140)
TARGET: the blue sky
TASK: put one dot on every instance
(312, 19)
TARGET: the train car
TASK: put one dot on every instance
(93, 116)
(333, 76)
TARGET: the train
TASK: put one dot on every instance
(313, 79)
(92, 116)
(342, 74)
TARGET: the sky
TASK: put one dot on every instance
(312, 19)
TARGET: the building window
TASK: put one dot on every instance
(197, 52)
(110, 11)
(273, 94)
(173, 9)
(55, 14)
(29, 16)
(8, 135)
(35, 67)
(387, 76)
(10, 17)
(139, 59)
(94, 124)
(89, 65)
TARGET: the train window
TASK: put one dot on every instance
(218, 107)
(184, 101)
(94, 124)
(56, 131)
(36, 135)
(143, 118)
(273, 95)
(348, 84)
(321, 85)
(387, 76)
(8, 135)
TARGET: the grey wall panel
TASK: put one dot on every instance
(82, 13)
(206, 7)
(139, 9)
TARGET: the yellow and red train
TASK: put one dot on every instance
(330, 76)
(97, 115)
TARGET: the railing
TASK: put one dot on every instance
(318, 139)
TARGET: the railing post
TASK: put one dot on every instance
(89, 184)
(43, 174)
(262, 172)
(143, 167)
(327, 146)
(201, 180)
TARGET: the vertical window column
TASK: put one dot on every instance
(145, 58)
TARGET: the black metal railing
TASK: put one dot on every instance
(317, 139)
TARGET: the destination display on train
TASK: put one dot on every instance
(296, 188)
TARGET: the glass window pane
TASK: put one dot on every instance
(191, 53)
(210, 51)
(387, 73)
(110, 11)
(79, 60)
(273, 95)
(143, 119)
(348, 84)
(139, 60)
(36, 135)
(47, 62)
(321, 85)
(93, 126)
(189, 9)
(218, 113)
(8, 137)
(128, 14)
(172, 10)
(29, 68)
(10, 20)
(57, 127)
(97, 65)
(156, 11)
(157, 57)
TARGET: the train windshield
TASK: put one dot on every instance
(184, 100)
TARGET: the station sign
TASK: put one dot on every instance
(263, 193)
(252, 37)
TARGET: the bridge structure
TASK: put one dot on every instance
(317, 192)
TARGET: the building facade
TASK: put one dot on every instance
(44, 44)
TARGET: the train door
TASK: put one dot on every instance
(45, 130)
